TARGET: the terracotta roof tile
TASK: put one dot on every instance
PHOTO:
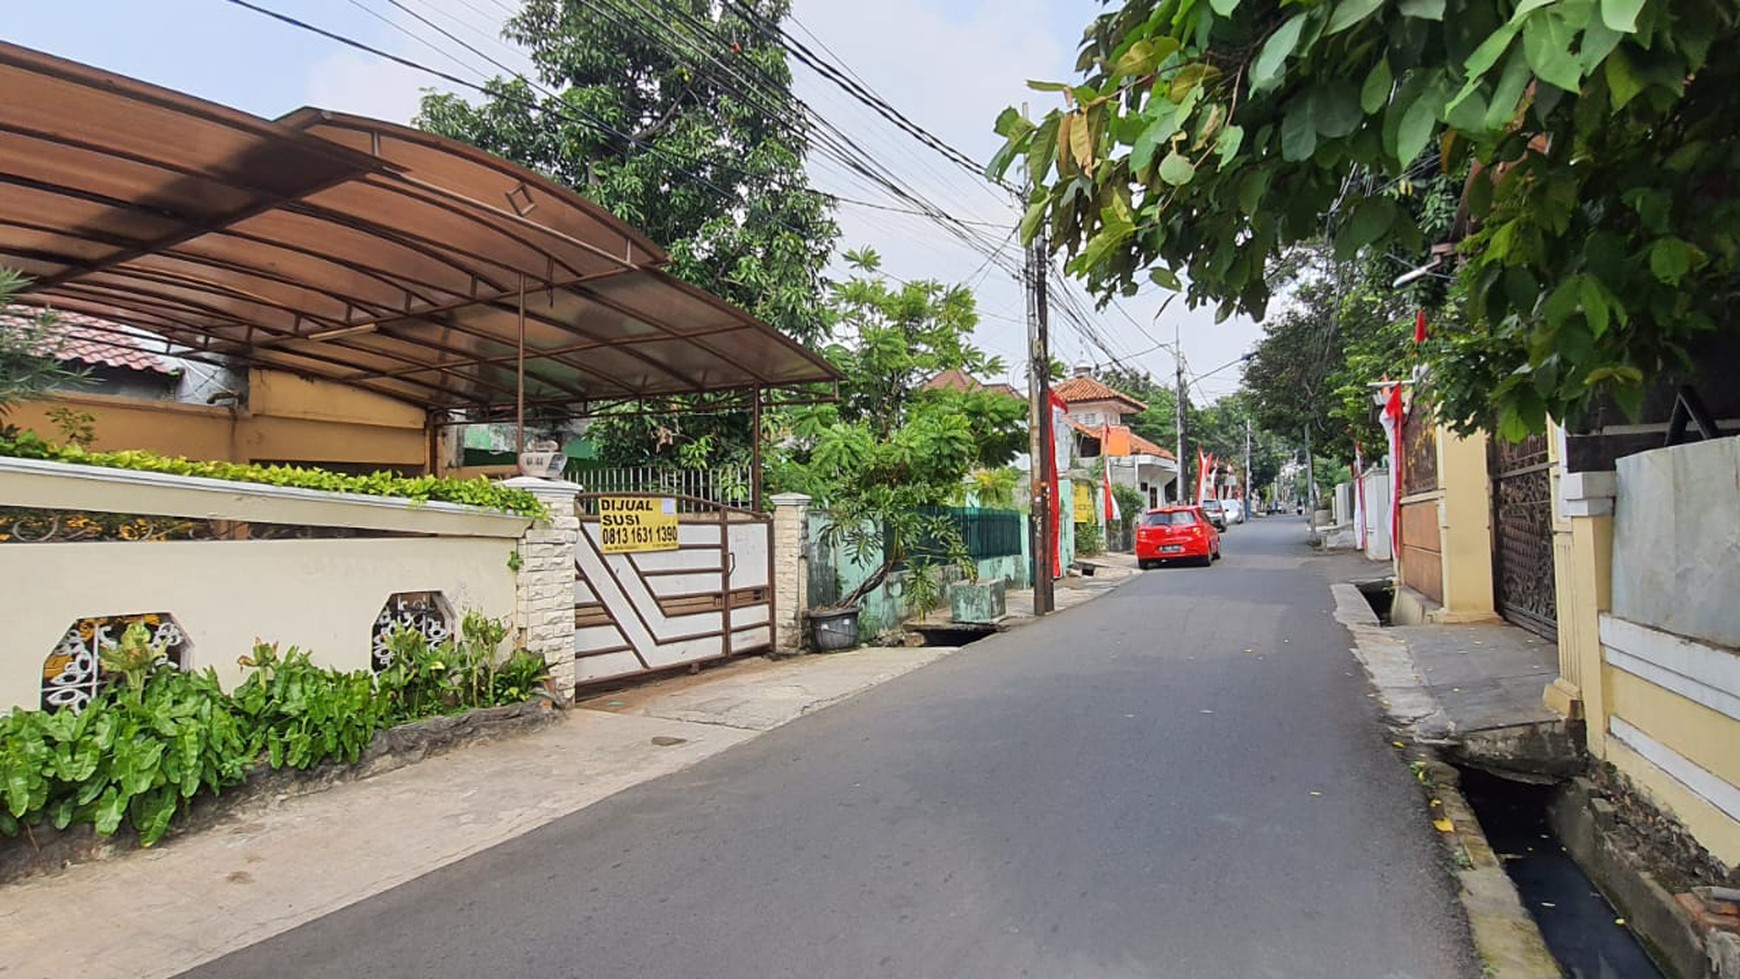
(955, 379)
(1075, 390)
(1142, 446)
(97, 342)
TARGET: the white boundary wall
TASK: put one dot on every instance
(320, 594)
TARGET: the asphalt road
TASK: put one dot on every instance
(1184, 778)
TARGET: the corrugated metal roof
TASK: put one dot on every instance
(349, 249)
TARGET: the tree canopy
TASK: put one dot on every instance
(670, 139)
(1598, 228)
(889, 448)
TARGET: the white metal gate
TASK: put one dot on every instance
(710, 598)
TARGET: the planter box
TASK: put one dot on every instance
(978, 603)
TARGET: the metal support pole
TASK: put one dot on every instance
(1178, 416)
(520, 379)
(755, 453)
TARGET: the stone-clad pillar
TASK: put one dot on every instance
(544, 602)
(791, 570)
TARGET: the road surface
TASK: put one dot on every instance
(1183, 778)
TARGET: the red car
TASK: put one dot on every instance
(1176, 533)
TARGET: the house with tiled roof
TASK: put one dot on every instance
(1097, 411)
(142, 395)
(955, 379)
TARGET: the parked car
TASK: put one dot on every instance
(1176, 533)
(1216, 515)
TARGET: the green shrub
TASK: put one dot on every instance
(133, 752)
(301, 715)
(478, 492)
(156, 736)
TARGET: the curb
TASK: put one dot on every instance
(1505, 935)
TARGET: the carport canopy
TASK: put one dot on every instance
(352, 250)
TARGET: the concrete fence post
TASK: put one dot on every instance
(791, 570)
(544, 586)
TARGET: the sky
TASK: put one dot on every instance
(949, 65)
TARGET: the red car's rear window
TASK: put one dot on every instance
(1170, 518)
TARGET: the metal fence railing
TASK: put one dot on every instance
(728, 485)
(987, 533)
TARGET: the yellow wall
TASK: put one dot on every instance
(1466, 520)
(288, 419)
(1702, 736)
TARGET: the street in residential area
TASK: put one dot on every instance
(1184, 777)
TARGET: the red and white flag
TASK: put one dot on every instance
(1393, 415)
(1111, 502)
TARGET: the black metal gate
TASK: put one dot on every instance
(1522, 533)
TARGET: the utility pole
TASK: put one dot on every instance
(1040, 526)
(1249, 498)
(1178, 414)
(1310, 476)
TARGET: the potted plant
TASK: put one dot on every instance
(919, 545)
(543, 459)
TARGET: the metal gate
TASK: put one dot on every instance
(709, 598)
(1522, 532)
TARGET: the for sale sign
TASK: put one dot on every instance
(628, 524)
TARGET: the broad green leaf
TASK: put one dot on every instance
(1224, 8)
(1266, 70)
(1012, 125)
(110, 808)
(1417, 122)
(1227, 146)
(1165, 278)
(1039, 86)
(1547, 43)
(1251, 190)
(1348, 13)
(1598, 42)
(1176, 169)
(1468, 115)
(1141, 59)
(1622, 81)
(1372, 218)
(1081, 142)
(1525, 8)
(1594, 300)
(1142, 155)
(1422, 9)
(1033, 218)
(1670, 259)
(1298, 131)
(1563, 300)
(1335, 109)
(1376, 90)
(1189, 79)
(1508, 92)
(1621, 15)
(1489, 51)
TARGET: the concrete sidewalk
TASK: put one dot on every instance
(268, 868)
(1474, 690)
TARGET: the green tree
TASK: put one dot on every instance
(1208, 136)
(888, 449)
(687, 142)
(26, 369)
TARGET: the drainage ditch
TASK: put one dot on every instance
(1579, 925)
(1380, 595)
